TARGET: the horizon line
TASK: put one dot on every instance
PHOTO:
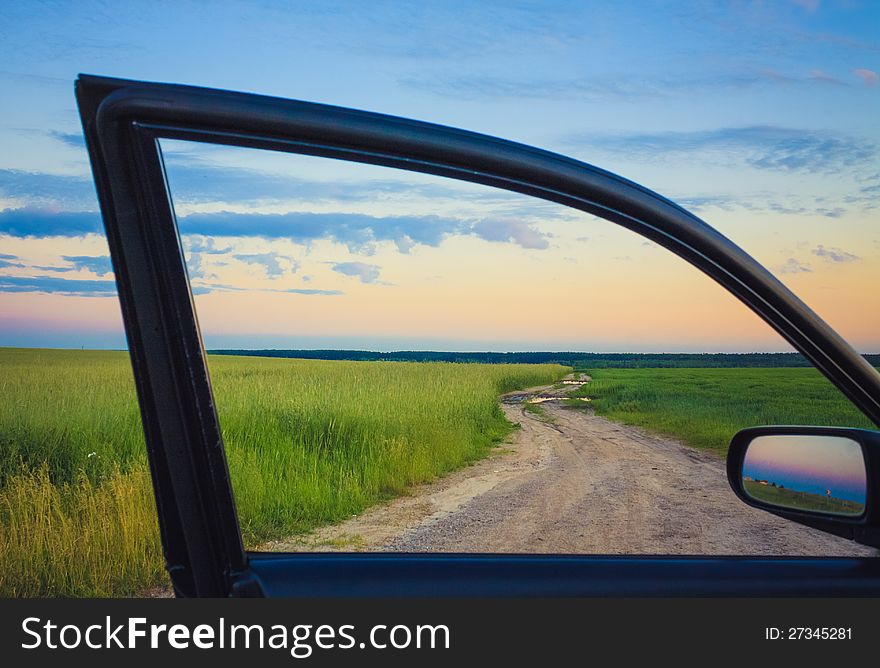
(446, 352)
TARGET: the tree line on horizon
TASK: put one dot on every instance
(573, 359)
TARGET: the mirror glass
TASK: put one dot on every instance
(809, 472)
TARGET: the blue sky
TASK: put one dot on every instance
(759, 116)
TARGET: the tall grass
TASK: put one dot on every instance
(706, 407)
(79, 538)
(338, 436)
(74, 411)
(308, 442)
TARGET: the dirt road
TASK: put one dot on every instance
(572, 482)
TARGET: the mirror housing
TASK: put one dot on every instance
(852, 522)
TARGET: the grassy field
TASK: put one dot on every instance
(790, 498)
(706, 407)
(308, 442)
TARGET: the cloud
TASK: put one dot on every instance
(74, 139)
(515, 231)
(828, 212)
(195, 243)
(760, 146)
(704, 202)
(793, 266)
(823, 77)
(367, 273)
(868, 77)
(32, 222)
(60, 270)
(37, 189)
(605, 88)
(10, 261)
(815, 76)
(269, 262)
(107, 288)
(760, 201)
(478, 87)
(776, 76)
(206, 288)
(834, 254)
(309, 291)
(55, 285)
(96, 264)
(195, 267)
(359, 232)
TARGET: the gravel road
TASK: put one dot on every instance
(572, 482)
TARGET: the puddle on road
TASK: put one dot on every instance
(540, 399)
(521, 398)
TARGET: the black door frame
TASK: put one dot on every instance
(123, 122)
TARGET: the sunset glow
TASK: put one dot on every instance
(288, 251)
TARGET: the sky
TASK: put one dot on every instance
(809, 464)
(760, 117)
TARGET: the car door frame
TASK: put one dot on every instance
(123, 122)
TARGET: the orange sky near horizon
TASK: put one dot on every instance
(541, 276)
(470, 293)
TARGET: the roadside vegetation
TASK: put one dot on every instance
(780, 496)
(704, 408)
(309, 442)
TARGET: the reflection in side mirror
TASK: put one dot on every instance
(812, 473)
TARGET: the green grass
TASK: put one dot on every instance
(308, 442)
(790, 498)
(706, 407)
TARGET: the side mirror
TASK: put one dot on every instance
(825, 477)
